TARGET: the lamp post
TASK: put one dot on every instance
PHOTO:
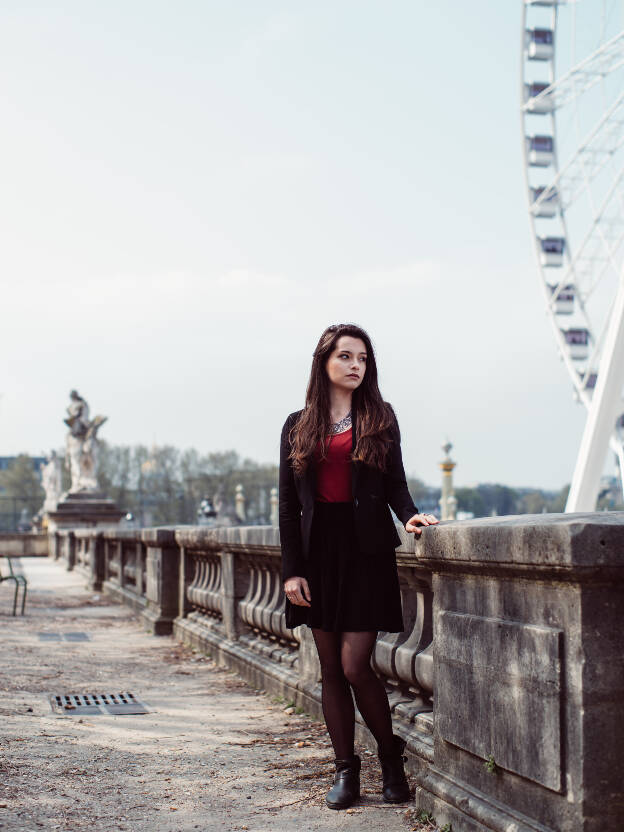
(448, 500)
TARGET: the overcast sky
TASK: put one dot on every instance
(192, 192)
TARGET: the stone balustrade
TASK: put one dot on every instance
(20, 545)
(507, 682)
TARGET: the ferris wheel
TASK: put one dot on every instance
(573, 134)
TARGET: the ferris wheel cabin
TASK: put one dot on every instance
(540, 44)
(544, 202)
(551, 250)
(536, 101)
(564, 299)
(540, 150)
(577, 341)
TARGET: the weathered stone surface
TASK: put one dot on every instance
(586, 542)
(24, 545)
(237, 538)
(162, 579)
(506, 675)
(84, 510)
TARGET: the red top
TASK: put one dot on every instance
(333, 474)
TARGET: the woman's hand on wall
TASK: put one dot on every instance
(298, 592)
(415, 523)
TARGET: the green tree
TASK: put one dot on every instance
(21, 494)
(532, 502)
(558, 504)
(469, 499)
(498, 499)
(21, 480)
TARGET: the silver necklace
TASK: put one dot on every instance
(342, 425)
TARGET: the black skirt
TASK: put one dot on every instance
(351, 591)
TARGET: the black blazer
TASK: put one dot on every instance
(372, 491)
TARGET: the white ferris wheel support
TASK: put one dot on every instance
(602, 415)
(573, 139)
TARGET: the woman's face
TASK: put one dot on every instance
(346, 364)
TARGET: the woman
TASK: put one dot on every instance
(340, 467)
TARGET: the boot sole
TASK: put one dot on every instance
(341, 805)
(403, 800)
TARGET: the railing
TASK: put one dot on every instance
(234, 588)
(23, 545)
(507, 682)
(124, 564)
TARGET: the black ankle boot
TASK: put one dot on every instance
(395, 786)
(346, 788)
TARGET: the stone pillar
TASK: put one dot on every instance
(234, 582)
(119, 558)
(274, 508)
(138, 565)
(163, 565)
(53, 545)
(70, 550)
(96, 562)
(528, 673)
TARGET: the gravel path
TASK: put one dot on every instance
(213, 754)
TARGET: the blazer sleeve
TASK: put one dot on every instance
(397, 492)
(289, 510)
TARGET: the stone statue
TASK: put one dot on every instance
(51, 479)
(82, 445)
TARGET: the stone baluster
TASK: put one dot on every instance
(129, 564)
(248, 606)
(194, 590)
(204, 592)
(213, 588)
(262, 609)
(413, 663)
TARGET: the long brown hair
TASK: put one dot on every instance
(373, 416)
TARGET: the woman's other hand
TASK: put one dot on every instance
(298, 592)
(418, 520)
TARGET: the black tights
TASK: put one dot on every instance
(345, 665)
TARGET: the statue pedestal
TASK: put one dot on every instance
(84, 509)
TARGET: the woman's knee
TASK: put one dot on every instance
(358, 673)
(331, 671)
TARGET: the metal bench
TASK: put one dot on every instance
(19, 580)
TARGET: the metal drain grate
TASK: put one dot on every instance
(64, 637)
(77, 704)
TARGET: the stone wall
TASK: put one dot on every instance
(507, 683)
